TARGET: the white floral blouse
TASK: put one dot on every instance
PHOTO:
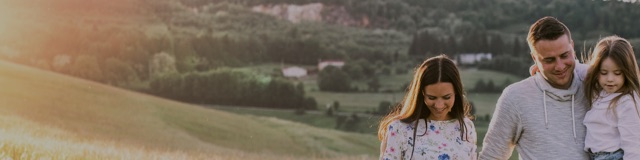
(442, 141)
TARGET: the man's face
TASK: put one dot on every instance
(555, 59)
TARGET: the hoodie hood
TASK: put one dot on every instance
(560, 95)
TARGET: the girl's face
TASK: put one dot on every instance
(610, 77)
(439, 98)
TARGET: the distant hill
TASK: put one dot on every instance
(44, 114)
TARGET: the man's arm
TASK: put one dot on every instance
(503, 131)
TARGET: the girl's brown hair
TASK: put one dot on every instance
(621, 52)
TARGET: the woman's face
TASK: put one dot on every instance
(439, 98)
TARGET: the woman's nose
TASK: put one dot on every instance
(439, 103)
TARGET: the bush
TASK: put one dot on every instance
(507, 64)
(334, 79)
(384, 107)
(385, 70)
(118, 72)
(336, 105)
(400, 70)
(310, 103)
(329, 111)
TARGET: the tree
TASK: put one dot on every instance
(336, 105)
(384, 107)
(473, 108)
(329, 111)
(354, 70)
(451, 47)
(516, 47)
(490, 87)
(497, 45)
(334, 79)
(506, 83)
(480, 86)
(413, 48)
(374, 84)
(162, 63)
(118, 72)
(351, 122)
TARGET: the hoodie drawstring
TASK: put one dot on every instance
(544, 101)
(573, 118)
(573, 115)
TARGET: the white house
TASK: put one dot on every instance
(335, 63)
(473, 58)
(294, 72)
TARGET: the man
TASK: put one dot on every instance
(541, 116)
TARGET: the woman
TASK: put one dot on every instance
(434, 104)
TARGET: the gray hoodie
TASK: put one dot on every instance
(540, 121)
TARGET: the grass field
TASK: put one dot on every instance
(318, 119)
(368, 101)
(368, 123)
(52, 116)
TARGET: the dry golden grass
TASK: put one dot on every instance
(22, 139)
(45, 115)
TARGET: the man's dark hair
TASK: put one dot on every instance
(546, 28)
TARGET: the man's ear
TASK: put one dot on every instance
(534, 68)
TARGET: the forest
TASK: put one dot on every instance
(192, 50)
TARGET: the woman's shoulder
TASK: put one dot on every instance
(468, 122)
(397, 124)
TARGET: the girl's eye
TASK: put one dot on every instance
(431, 98)
(603, 73)
(617, 73)
(447, 97)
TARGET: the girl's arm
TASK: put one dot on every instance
(629, 128)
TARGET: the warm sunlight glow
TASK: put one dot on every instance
(6, 19)
(21, 26)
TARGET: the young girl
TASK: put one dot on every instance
(613, 121)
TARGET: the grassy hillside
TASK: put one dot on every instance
(44, 114)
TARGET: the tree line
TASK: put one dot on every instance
(228, 34)
(228, 86)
